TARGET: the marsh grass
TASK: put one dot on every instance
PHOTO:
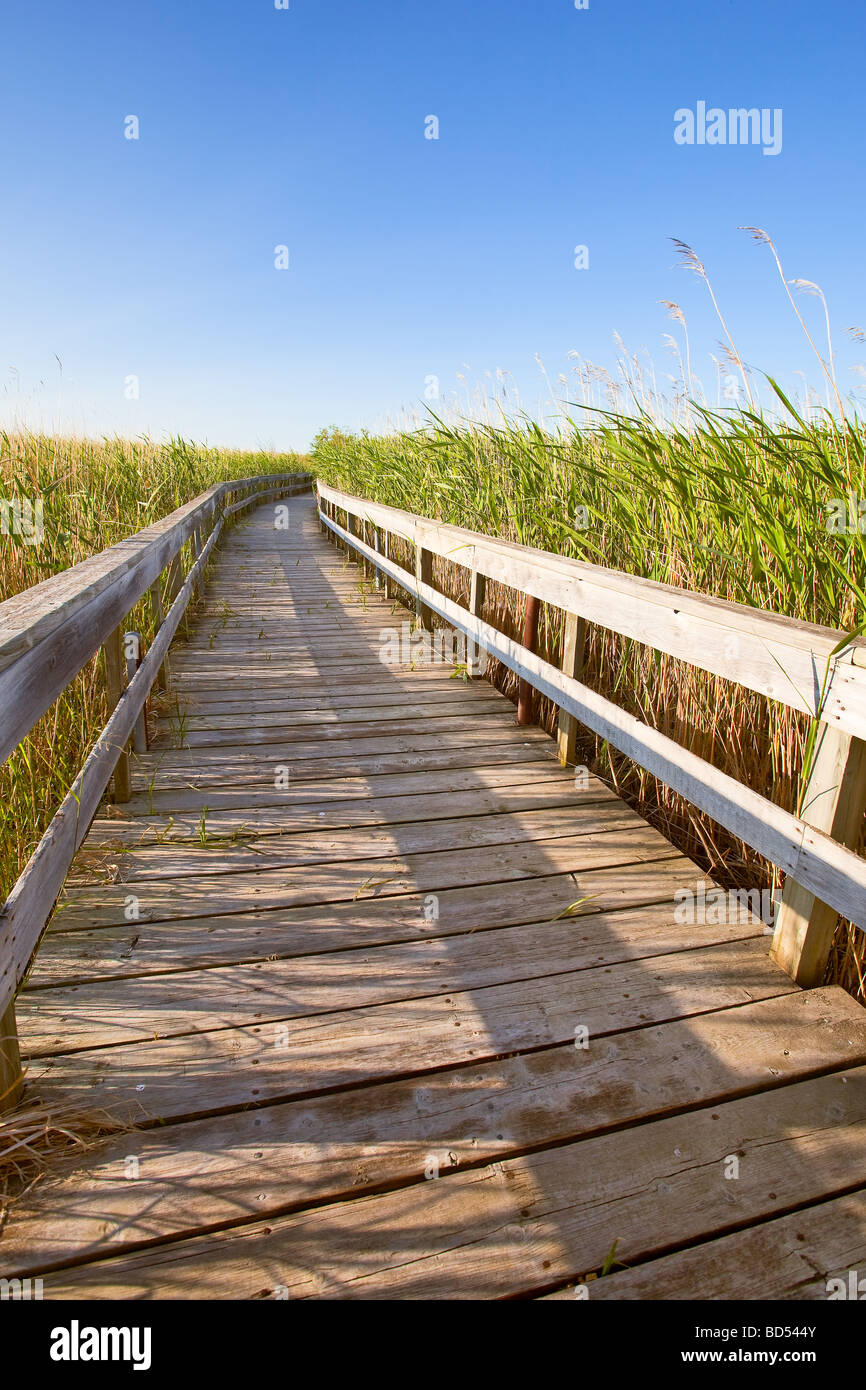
(94, 493)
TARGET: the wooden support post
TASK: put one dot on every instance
(424, 575)
(113, 652)
(163, 680)
(352, 528)
(476, 658)
(390, 586)
(11, 1075)
(132, 652)
(377, 546)
(573, 650)
(526, 694)
(835, 802)
(198, 584)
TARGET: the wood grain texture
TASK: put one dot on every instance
(522, 1223)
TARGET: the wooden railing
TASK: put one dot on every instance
(808, 668)
(47, 635)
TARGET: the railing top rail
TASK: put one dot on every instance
(777, 656)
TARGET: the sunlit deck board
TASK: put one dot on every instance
(377, 973)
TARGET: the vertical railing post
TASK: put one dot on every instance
(423, 575)
(132, 652)
(573, 652)
(390, 586)
(352, 528)
(113, 653)
(526, 694)
(834, 801)
(377, 573)
(11, 1074)
(173, 582)
(198, 583)
(163, 679)
(476, 657)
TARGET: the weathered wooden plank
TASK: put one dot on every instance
(11, 1076)
(106, 1012)
(435, 721)
(212, 728)
(235, 765)
(263, 1061)
(208, 708)
(212, 828)
(340, 880)
(522, 1224)
(809, 1255)
(640, 896)
(557, 816)
(218, 1171)
(311, 780)
(524, 766)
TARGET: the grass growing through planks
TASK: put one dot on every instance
(34, 1137)
(730, 504)
(93, 494)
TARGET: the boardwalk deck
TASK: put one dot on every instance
(327, 963)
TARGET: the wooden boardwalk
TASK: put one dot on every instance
(327, 962)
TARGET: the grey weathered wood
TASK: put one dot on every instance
(424, 575)
(132, 649)
(528, 787)
(525, 1223)
(11, 1075)
(631, 907)
(529, 640)
(390, 586)
(833, 801)
(115, 681)
(322, 1148)
(573, 647)
(792, 1257)
(239, 1064)
(377, 546)
(163, 680)
(475, 659)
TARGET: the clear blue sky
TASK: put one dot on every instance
(408, 257)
